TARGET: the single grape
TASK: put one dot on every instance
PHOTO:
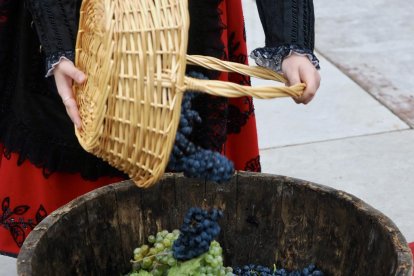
(151, 239)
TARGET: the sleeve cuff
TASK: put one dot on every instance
(53, 60)
(272, 57)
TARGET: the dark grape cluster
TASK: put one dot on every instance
(191, 159)
(258, 270)
(198, 230)
(208, 164)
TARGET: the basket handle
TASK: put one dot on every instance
(231, 90)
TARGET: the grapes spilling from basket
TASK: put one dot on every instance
(193, 251)
(191, 159)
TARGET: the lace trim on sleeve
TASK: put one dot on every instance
(53, 60)
(272, 57)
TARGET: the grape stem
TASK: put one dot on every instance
(163, 253)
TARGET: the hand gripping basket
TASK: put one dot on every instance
(134, 53)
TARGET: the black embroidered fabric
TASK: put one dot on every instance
(33, 121)
(287, 22)
(56, 22)
(7, 8)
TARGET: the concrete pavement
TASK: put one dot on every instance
(7, 266)
(372, 41)
(357, 135)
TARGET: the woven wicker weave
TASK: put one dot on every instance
(134, 53)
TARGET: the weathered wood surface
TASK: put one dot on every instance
(268, 219)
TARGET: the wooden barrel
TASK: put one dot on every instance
(268, 220)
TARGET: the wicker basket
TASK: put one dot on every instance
(134, 53)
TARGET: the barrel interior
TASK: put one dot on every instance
(268, 220)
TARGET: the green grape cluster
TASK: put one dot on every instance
(157, 257)
(212, 262)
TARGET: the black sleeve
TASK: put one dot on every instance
(56, 23)
(288, 22)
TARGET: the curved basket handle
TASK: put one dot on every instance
(234, 67)
(232, 90)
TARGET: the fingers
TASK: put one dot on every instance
(298, 69)
(311, 77)
(64, 74)
(293, 78)
(73, 112)
(69, 69)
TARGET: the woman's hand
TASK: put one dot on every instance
(65, 73)
(299, 69)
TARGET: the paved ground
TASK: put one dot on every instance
(357, 134)
(7, 266)
(372, 41)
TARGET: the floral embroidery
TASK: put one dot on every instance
(236, 119)
(236, 55)
(12, 220)
(253, 165)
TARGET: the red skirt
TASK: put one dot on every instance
(27, 197)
